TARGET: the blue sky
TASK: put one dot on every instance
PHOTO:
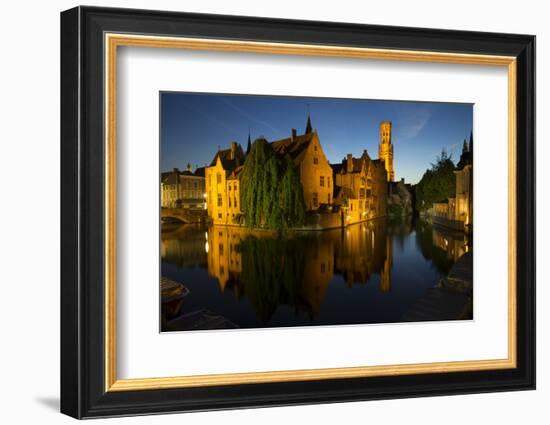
(193, 126)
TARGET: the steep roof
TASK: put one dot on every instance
(295, 146)
(200, 172)
(309, 128)
(465, 159)
(229, 163)
(336, 168)
(171, 177)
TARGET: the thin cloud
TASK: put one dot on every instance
(248, 116)
(212, 119)
(419, 121)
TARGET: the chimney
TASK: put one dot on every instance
(349, 163)
(293, 134)
(233, 149)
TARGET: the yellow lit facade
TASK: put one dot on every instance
(385, 149)
(457, 212)
(183, 189)
(361, 188)
(463, 199)
(358, 186)
(223, 185)
(314, 169)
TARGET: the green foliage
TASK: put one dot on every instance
(395, 211)
(437, 183)
(272, 195)
(293, 205)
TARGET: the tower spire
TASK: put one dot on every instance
(309, 128)
(248, 145)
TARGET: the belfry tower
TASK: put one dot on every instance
(385, 148)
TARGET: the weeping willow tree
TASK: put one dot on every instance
(271, 196)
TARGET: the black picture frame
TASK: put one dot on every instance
(83, 392)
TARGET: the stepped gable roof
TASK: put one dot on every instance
(295, 146)
(357, 163)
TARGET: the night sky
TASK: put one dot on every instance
(193, 126)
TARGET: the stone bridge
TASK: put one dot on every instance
(184, 215)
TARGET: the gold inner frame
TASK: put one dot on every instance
(113, 41)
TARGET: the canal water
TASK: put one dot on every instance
(371, 272)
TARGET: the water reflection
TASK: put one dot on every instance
(351, 275)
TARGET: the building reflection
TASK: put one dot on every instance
(297, 269)
(454, 244)
(363, 250)
(183, 245)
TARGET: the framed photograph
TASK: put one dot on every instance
(261, 212)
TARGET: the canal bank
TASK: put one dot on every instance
(450, 299)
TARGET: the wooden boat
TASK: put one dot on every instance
(171, 290)
(172, 294)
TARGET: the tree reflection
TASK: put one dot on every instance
(272, 272)
(440, 245)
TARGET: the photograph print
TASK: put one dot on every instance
(280, 211)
